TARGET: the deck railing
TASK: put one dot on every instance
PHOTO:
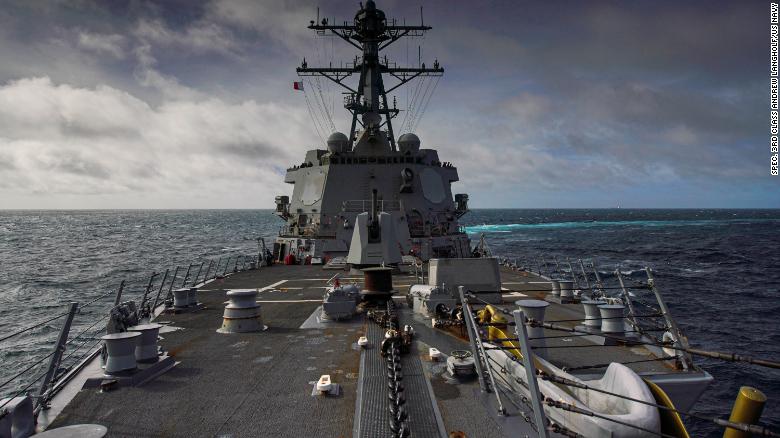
(647, 311)
(80, 329)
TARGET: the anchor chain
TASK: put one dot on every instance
(392, 346)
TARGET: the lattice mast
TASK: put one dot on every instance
(370, 33)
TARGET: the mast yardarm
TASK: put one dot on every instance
(370, 33)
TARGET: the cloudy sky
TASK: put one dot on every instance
(181, 104)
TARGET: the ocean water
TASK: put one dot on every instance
(717, 270)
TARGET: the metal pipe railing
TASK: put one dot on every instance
(622, 292)
(159, 291)
(200, 268)
(62, 365)
(186, 276)
(59, 349)
(530, 373)
(227, 263)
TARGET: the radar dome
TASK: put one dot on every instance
(409, 143)
(338, 142)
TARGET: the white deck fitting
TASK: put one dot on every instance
(272, 286)
(514, 295)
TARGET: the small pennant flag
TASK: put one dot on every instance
(297, 85)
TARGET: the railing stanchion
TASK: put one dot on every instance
(227, 263)
(159, 291)
(584, 274)
(627, 299)
(216, 268)
(599, 284)
(186, 276)
(530, 372)
(198, 274)
(208, 269)
(146, 291)
(473, 337)
(119, 293)
(59, 348)
(173, 280)
(573, 275)
(679, 339)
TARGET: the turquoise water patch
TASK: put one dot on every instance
(508, 228)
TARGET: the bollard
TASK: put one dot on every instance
(120, 349)
(146, 349)
(242, 314)
(592, 314)
(534, 309)
(611, 318)
(556, 288)
(181, 298)
(747, 409)
(192, 297)
(567, 291)
(17, 417)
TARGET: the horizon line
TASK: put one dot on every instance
(472, 209)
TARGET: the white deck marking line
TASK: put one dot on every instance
(290, 288)
(289, 301)
(514, 294)
(271, 286)
(503, 288)
(326, 279)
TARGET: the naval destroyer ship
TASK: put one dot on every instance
(372, 315)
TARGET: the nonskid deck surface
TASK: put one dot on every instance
(260, 384)
(254, 384)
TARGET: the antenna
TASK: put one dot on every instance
(370, 33)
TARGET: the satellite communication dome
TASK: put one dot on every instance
(409, 143)
(338, 142)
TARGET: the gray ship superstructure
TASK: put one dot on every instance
(333, 185)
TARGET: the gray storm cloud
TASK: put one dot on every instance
(62, 139)
(147, 104)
